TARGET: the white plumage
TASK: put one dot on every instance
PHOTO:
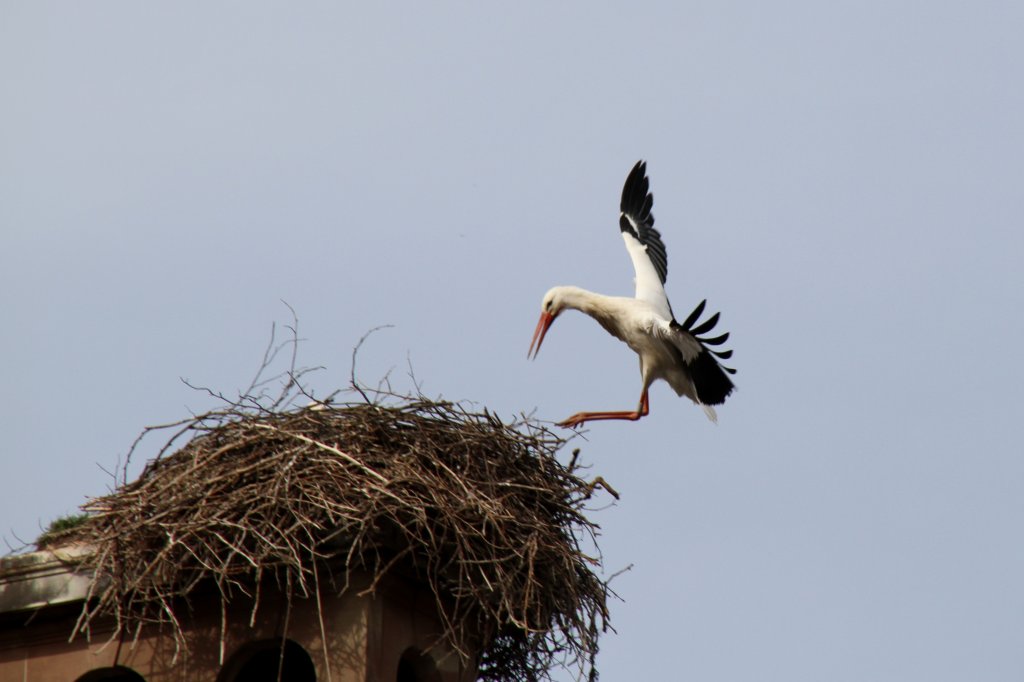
(678, 353)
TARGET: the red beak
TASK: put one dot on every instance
(543, 324)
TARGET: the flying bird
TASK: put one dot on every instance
(680, 353)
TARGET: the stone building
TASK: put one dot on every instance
(388, 636)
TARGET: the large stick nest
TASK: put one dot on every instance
(481, 511)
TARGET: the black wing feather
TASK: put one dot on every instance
(717, 341)
(708, 325)
(694, 315)
(637, 202)
(710, 379)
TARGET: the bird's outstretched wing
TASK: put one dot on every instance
(643, 242)
(710, 379)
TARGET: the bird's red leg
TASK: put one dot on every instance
(580, 417)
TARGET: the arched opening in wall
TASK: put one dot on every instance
(416, 666)
(269, 660)
(117, 673)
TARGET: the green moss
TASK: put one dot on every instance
(58, 527)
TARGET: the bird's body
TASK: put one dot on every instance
(677, 353)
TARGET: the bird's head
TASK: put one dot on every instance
(551, 306)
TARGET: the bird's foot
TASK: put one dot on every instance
(572, 422)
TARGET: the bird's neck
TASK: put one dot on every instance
(585, 301)
(607, 310)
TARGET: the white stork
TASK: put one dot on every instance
(680, 354)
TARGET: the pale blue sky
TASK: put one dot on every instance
(842, 180)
